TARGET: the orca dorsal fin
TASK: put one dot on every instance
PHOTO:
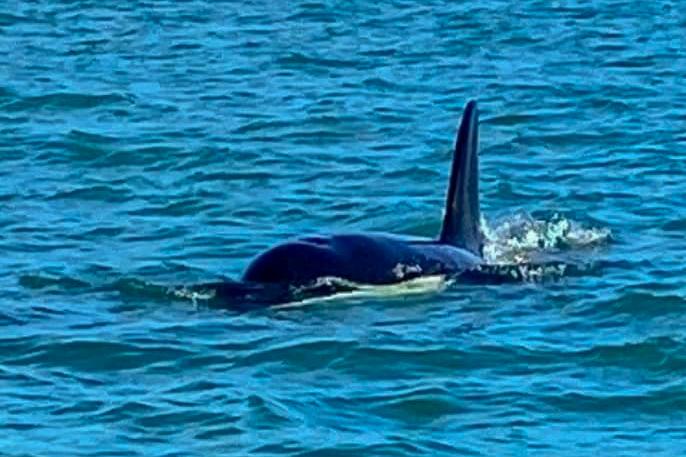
(462, 219)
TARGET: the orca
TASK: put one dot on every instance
(304, 267)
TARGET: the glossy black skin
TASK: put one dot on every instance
(359, 258)
(294, 270)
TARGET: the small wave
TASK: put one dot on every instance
(297, 59)
(45, 281)
(519, 238)
(86, 355)
(104, 193)
(8, 19)
(68, 100)
(417, 404)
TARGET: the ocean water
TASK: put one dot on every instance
(150, 144)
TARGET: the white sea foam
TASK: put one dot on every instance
(515, 239)
(193, 295)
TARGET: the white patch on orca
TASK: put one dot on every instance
(401, 270)
(415, 286)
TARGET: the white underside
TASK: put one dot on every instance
(416, 286)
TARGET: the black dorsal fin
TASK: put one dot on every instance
(461, 223)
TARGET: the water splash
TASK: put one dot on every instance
(520, 238)
(194, 296)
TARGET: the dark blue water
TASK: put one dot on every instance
(149, 144)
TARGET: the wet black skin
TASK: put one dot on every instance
(360, 258)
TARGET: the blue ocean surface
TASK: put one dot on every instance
(146, 145)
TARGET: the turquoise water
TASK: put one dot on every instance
(147, 146)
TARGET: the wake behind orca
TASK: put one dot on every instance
(315, 266)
